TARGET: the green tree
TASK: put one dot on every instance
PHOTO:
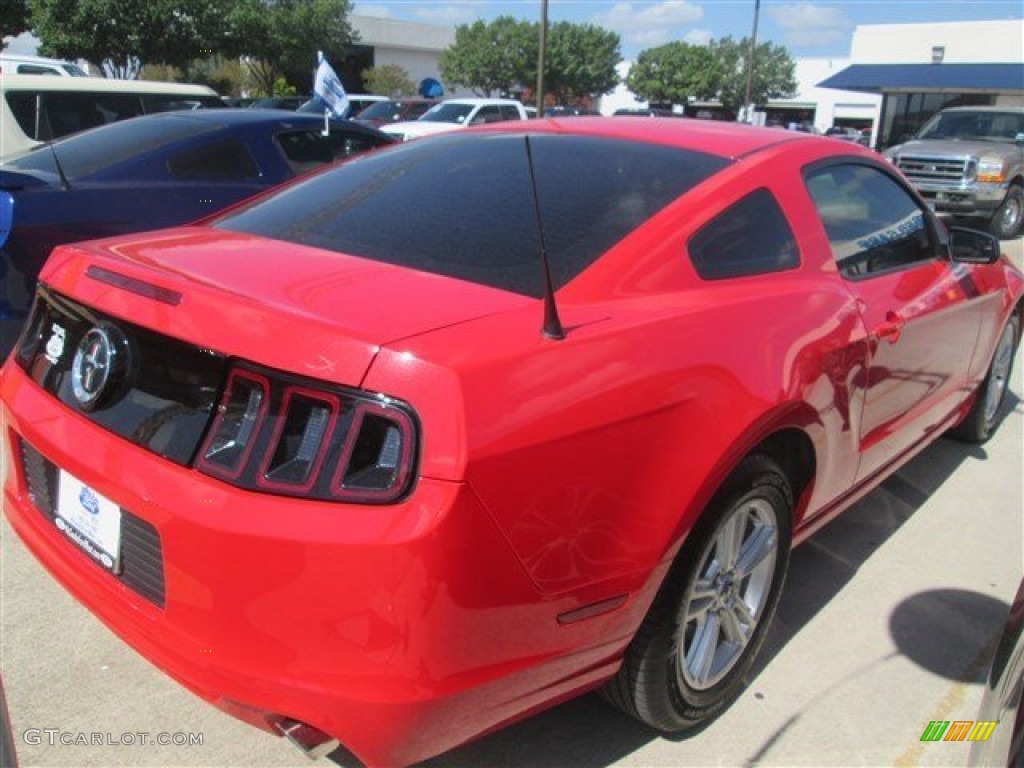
(388, 80)
(580, 61)
(674, 73)
(13, 18)
(281, 38)
(491, 56)
(774, 72)
(122, 35)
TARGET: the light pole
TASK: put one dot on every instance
(540, 56)
(748, 108)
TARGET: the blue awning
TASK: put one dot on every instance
(924, 78)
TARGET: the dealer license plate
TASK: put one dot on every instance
(90, 520)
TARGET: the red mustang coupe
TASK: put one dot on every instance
(450, 433)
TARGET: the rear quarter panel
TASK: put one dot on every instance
(596, 454)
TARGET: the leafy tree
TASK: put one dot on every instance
(281, 38)
(580, 61)
(122, 35)
(774, 72)
(491, 56)
(674, 73)
(389, 80)
(13, 18)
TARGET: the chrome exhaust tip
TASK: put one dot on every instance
(312, 742)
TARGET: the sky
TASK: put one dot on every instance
(806, 27)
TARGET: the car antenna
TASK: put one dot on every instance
(552, 327)
(60, 170)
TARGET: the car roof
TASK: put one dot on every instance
(479, 101)
(231, 116)
(100, 84)
(727, 140)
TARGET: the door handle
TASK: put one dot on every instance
(891, 328)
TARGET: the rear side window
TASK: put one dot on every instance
(873, 224)
(462, 205)
(224, 160)
(751, 237)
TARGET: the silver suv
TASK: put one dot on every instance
(969, 161)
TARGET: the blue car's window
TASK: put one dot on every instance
(462, 206)
(87, 153)
(224, 160)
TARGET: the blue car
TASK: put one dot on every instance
(145, 173)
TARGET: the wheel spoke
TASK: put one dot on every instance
(729, 539)
(702, 597)
(759, 545)
(733, 628)
(701, 654)
(744, 614)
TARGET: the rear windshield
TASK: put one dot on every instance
(462, 205)
(92, 151)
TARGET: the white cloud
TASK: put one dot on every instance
(698, 36)
(809, 25)
(378, 11)
(649, 25)
(447, 14)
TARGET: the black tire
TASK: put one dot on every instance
(661, 681)
(1009, 216)
(983, 418)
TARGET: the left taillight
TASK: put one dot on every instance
(275, 433)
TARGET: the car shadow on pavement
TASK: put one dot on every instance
(968, 622)
(586, 732)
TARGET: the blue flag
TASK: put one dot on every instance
(330, 90)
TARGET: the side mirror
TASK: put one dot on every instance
(969, 246)
(6, 215)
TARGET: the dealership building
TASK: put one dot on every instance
(896, 76)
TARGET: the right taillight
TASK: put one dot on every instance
(276, 433)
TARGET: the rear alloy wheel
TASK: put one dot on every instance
(1006, 221)
(981, 420)
(690, 655)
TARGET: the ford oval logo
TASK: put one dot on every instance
(96, 365)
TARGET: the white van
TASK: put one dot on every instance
(35, 109)
(18, 64)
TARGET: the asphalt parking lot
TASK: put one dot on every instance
(888, 620)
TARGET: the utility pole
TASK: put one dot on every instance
(541, 55)
(748, 108)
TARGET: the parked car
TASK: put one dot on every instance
(846, 133)
(1002, 704)
(382, 113)
(471, 454)
(562, 110)
(150, 172)
(37, 109)
(454, 114)
(357, 102)
(20, 64)
(969, 161)
(277, 102)
(645, 112)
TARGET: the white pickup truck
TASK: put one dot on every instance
(453, 114)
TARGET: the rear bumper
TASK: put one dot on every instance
(401, 630)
